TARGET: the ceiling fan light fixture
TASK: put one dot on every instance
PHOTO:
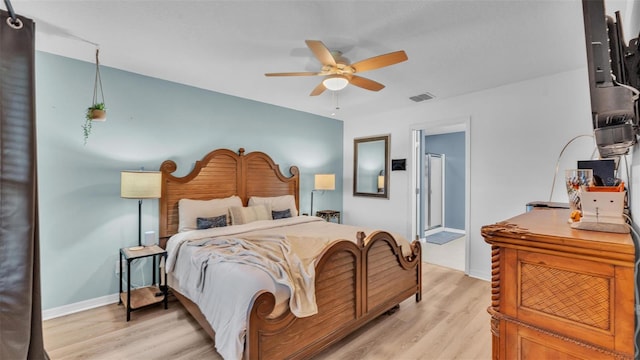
(335, 82)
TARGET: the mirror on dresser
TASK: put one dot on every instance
(371, 166)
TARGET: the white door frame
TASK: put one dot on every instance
(461, 124)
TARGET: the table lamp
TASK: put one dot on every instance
(140, 185)
(323, 182)
(381, 181)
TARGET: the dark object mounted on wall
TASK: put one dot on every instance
(614, 80)
(398, 164)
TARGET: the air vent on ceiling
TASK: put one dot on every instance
(422, 97)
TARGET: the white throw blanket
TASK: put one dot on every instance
(272, 254)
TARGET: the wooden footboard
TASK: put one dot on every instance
(354, 284)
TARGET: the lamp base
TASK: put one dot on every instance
(135, 248)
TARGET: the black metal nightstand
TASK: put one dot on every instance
(329, 215)
(148, 295)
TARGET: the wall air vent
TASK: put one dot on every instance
(422, 97)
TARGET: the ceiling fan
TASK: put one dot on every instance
(338, 72)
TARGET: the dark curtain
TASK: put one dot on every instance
(20, 303)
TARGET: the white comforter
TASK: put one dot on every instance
(269, 253)
(223, 285)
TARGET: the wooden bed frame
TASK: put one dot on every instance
(355, 283)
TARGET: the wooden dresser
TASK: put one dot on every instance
(560, 293)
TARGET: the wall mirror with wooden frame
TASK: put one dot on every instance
(371, 166)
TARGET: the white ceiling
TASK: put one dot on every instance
(454, 47)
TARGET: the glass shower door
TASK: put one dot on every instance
(434, 181)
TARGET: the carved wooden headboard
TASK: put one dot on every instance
(223, 173)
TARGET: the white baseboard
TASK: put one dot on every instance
(480, 275)
(79, 306)
(456, 231)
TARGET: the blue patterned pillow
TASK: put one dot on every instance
(281, 214)
(212, 222)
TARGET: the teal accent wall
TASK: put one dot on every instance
(83, 220)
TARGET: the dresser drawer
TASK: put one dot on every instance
(529, 343)
(572, 297)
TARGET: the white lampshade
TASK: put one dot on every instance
(140, 184)
(335, 82)
(325, 182)
(380, 181)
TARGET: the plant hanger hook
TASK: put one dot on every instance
(98, 81)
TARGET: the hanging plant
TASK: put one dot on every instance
(97, 111)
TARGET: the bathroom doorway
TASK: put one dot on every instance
(441, 203)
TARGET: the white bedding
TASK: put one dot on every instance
(223, 290)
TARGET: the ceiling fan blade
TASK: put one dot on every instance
(321, 52)
(365, 83)
(293, 74)
(318, 90)
(379, 61)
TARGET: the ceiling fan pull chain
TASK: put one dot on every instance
(335, 101)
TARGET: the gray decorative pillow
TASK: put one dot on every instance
(212, 222)
(281, 214)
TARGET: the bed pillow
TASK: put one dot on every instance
(211, 222)
(244, 215)
(190, 210)
(281, 214)
(276, 203)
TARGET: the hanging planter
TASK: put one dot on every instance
(97, 111)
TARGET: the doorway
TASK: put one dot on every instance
(440, 172)
(433, 183)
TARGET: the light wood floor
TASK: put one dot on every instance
(451, 254)
(451, 322)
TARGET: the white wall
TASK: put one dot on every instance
(517, 132)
